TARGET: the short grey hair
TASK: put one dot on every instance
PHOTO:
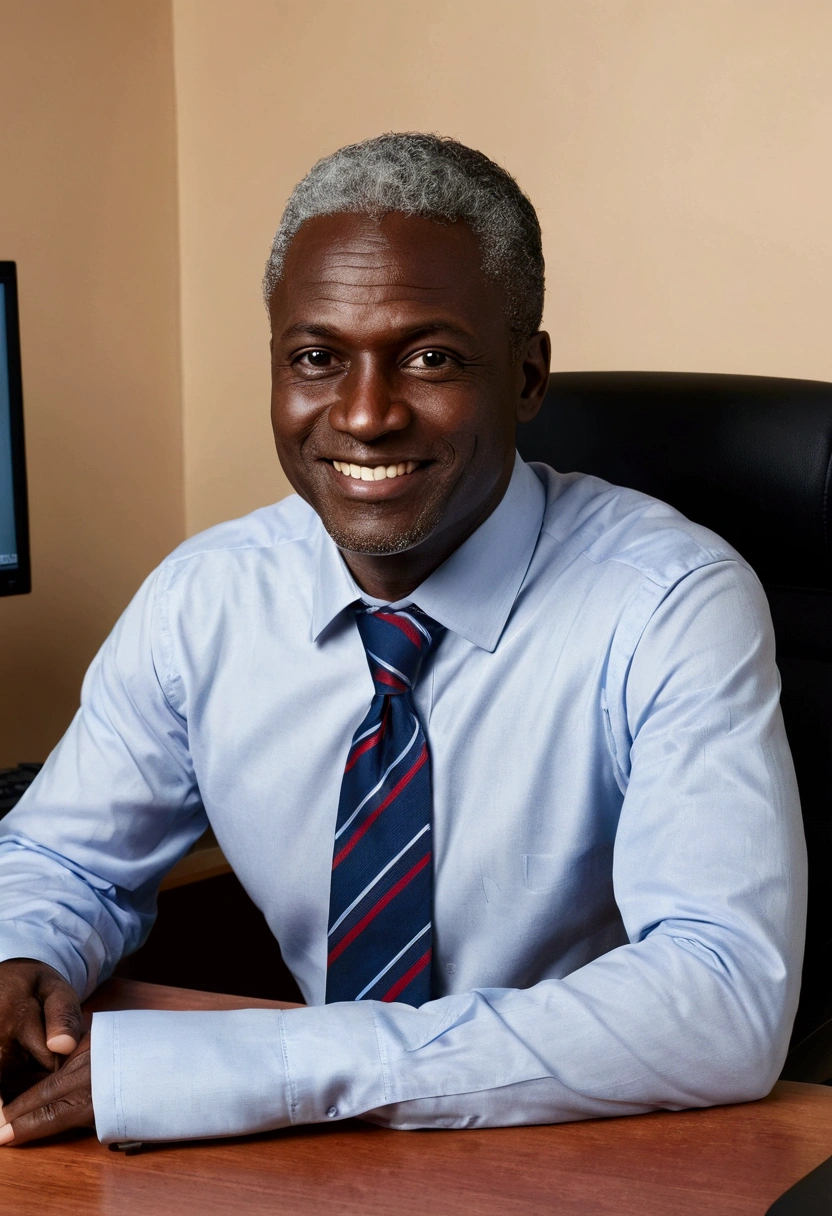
(435, 177)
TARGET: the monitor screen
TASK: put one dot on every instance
(14, 530)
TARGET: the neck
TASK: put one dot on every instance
(394, 576)
(389, 578)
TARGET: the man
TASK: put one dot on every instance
(497, 751)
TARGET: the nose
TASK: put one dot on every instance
(366, 408)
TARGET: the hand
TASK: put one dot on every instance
(56, 1104)
(40, 1022)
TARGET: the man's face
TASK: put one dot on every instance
(394, 390)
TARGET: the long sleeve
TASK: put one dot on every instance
(115, 806)
(695, 1009)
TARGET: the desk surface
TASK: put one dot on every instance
(731, 1159)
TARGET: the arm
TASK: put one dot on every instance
(114, 808)
(709, 875)
(82, 855)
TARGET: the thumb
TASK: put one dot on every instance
(62, 1017)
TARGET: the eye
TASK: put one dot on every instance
(430, 360)
(315, 358)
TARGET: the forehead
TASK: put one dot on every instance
(356, 270)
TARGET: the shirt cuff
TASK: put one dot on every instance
(160, 1075)
(15, 944)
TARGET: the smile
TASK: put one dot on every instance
(380, 472)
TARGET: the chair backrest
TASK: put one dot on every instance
(751, 458)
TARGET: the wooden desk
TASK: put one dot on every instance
(735, 1160)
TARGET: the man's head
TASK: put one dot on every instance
(405, 290)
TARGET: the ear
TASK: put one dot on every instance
(534, 371)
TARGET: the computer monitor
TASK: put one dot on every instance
(15, 577)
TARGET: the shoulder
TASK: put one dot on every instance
(609, 524)
(227, 579)
(290, 521)
(275, 546)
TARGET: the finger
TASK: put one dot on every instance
(50, 1120)
(15, 1081)
(71, 1076)
(62, 1015)
(60, 1102)
(45, 1091)
(30, 1034)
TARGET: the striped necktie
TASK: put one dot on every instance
(380, 902)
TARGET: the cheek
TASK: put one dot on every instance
(480, 432)
(455, 417)
(293, 417)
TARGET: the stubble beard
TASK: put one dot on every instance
(377, 542)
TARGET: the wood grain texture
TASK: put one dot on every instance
(726, 1161)
(134, 994)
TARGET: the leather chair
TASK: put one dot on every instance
(751, 458)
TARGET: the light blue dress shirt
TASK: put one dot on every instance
(619, 862)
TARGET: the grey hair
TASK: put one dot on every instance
(435, 177)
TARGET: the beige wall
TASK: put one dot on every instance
(678, 152)
(88, 211)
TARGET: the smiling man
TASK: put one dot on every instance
(497, 751)
(395, 393)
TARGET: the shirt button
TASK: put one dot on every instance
(450, 968)
(332, 1112)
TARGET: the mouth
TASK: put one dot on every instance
(375, 472)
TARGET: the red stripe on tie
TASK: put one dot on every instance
(370, 742)
(401, 984)
(383, 676)
(394, 793)
(405, 626)
(359, 927)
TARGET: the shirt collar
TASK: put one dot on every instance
(473, 591)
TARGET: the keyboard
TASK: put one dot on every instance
(14, 783)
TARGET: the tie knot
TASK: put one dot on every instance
(396, 644)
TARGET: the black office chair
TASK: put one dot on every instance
(751, 458)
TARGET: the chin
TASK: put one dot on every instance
(373, 544)
(377, 537)
(382, 529)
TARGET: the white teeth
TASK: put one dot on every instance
(365, 472)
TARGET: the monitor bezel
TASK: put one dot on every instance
(17, 581)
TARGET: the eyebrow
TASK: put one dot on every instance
(305, 329)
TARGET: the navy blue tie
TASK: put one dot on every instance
(381, 893)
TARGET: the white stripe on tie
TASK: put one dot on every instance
(384, 970)
(358, 738)
(390, 667)
(415, 622)
(377, 878)
(376, 788)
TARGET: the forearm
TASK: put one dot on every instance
(52, 911)
(114, 808)
(646, 1027)
(649, 1026)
